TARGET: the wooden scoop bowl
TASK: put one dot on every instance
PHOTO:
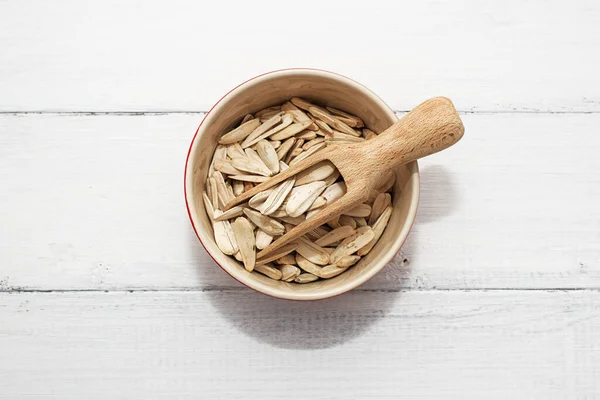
(432, 126)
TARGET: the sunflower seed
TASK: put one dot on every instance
(301, 198)
(210, 211)
(248, 186)
(238, 256)
(331, 270)
(368, 134)
(286, 120)
(312, 143)
(238, 188)
(260, 113)
(360, 221)
(334, 223)
(378, 229)
(287, 259)
(334, 192)
(347, 221)
(235, 150)
(335, 236)
(275, 143)
(330, 180)
(317, 233)
(353, 243)
(362, 210)
(347, 261)
(382, 201)
(262, 128)
(244, 235)
(285, 147)
(324, 127)
(225, 167)
(276, 198)
(222, 191)
(231, 213)
(308, 153)
(297, 144)
(306, 278)
(342, 137)
(295, 153)
(268, 115)
(269, 225)
(312, 251)
(258, 199)
(306, 135)
(269, 271)
(291, 130)
(331, 121)
(280, 252)
(289, 272)
(248, 165)
(318, 172)
(358, 123)
(224, 236)
(293, 220)
(240, 133)
(301, 103)
(268, 155)
(220, 153)
(307, 266)
(318, 203)
(250, 178)
(213, 193)
(246, 118)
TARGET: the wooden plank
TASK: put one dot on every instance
(96, 202)
(181, 55)
(216, 344)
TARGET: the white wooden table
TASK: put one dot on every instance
(106, 293)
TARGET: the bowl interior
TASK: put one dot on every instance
(327, 89)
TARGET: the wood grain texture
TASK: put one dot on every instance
(96, 202)
(182, 55)
(239, 345)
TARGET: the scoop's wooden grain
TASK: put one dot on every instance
(432, 126)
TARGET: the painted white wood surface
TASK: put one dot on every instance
(241, 345)
(96, 202)
(116, 55)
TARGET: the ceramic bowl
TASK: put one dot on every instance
(325, 88)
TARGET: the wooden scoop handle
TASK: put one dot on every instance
(432, 126)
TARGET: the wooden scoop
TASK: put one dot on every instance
(430, 127)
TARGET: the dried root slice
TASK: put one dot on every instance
(268, 155)
(231, 213)
(382, 201)
(335, 236)
(244, 235)
(225, 167)
(269, 225)
(289, 272)
(308, 266)
(225, 236)
(280, 252)
(250, 178)
(306, 278)
(240, 133)
(353, 243)
(378, 229)
(362, 210)
(269, 271)
(312, 251)
(235, 150)
(317, 172)
(302, 197)
(347, 221)
(290, 131)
